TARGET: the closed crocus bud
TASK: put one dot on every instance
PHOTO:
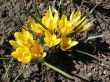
(51, 39)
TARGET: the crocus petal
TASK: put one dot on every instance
(36, 27)
(86, 27)
(26, 58)
(67, 43)
(48, 13)
(73, 43)
(50, 24)
(14, 43)
(21, 39)
(79, 22)
(64, 18)
(44, 54)
(75, 15)
(27, 34)
(51, 39)
(82, 25)
(56, 18)
(19, 51)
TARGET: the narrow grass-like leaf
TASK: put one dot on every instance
(5, 58)
(61, 7)
(14, 14)
(99, 59)
(7, 69)
(92, 10)
(58, 70)
(36, 8)
(17, 13)
(6, 47)
(82, 1)
(18, 21)
(63, 72)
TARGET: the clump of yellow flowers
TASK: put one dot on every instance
(60, 28)
(57, 34)
(26, 47)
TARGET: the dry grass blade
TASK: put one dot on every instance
(94, 37)
(22, 70)
(54, 2)
(7, 69)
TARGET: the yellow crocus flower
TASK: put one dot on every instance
(26, 47)
(23, 54)
(50, 21)
(80, 24)
(67, 43)
(76, 23)
(23, 38)
(36, 50)
(37, 28)
(51, 39)
(66, 26)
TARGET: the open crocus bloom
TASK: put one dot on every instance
(76, 23)
(67, 43)
(26, 47)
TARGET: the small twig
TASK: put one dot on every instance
(18, 75)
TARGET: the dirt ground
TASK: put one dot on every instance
(72, 62)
